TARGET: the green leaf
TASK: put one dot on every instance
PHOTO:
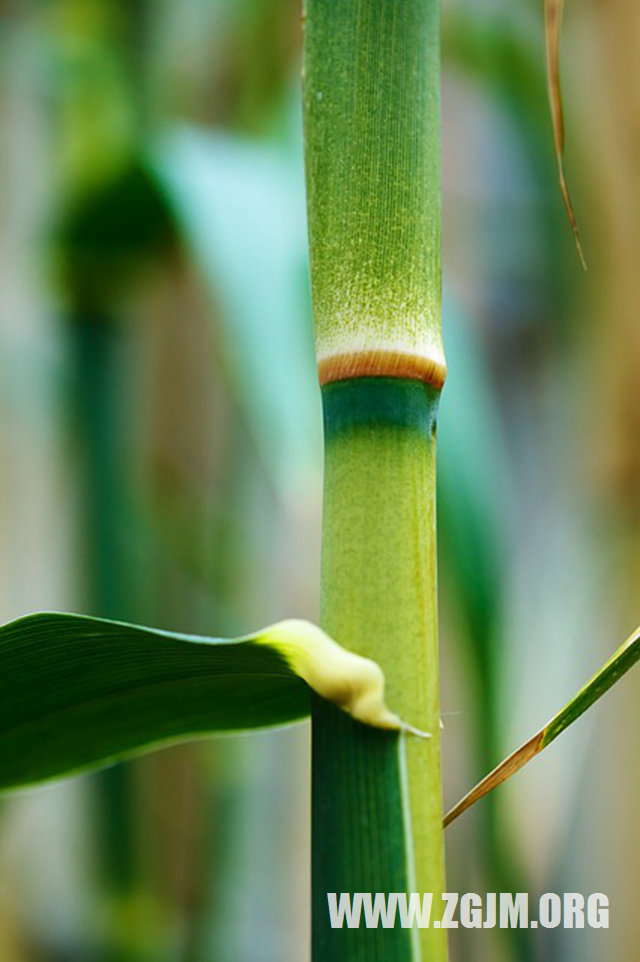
(77, 692)
(618, 665)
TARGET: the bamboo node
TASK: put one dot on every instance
(343, 367)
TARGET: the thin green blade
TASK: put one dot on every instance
(78, 692)
(618, 665)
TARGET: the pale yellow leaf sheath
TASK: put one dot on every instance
(353, 683)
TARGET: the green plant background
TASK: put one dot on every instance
(160, 437)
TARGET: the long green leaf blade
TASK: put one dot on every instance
(78, 692)
(618, 665)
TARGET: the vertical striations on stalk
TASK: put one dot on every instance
(372, 141)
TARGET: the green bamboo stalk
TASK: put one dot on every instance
(372, 134)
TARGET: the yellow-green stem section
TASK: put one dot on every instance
(372, 152)
(377, 797)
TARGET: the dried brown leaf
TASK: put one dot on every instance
(552, 23)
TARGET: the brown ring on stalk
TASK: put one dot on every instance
(342, 367)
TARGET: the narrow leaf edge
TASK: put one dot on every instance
(553, 10)
(618, 665)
